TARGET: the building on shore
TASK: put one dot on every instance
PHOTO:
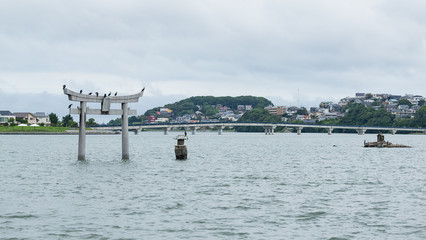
(277, 111)
(25, 116)
(42, 118)
(5, 116)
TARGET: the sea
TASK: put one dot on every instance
(232, 186)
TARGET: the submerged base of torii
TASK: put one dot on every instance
(105, 101)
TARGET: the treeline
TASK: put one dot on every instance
(360, 115)
(68, 121)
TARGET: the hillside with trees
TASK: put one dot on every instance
(205, 104)
(202, 107)
(369, 110)
(360, 115)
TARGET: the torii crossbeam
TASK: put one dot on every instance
(105, 109)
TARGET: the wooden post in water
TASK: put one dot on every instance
(180, 149)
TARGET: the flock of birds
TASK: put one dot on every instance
(97, 94)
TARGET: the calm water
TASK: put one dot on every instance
(233, 186)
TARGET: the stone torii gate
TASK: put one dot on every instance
(105, 101)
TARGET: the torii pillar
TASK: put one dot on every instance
(105, 110)
(82, 132)
(125, 131)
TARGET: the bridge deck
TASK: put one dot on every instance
(265, 125)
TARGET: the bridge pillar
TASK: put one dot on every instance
(361, 131)
(266, 130)
(299, 130)
(82, 132)
(193, 130)
(269, 130)
(393, 132)
(219, 130)
(166, 131)
(330, 130)
(137, 130)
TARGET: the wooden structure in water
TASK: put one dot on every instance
(180, 149)
(381, 143)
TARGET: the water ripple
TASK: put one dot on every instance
(238, 186)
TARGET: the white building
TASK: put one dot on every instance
(42, 118)
(5, 116)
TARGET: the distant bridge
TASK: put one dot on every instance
(269, 127)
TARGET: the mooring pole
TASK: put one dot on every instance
(82, 132)
(125, 132)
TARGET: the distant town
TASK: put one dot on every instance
(401, 107)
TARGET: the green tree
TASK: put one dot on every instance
(91, 122)
(115, 122)
(420, 118)
(422, 102)
(403, 122)
(381, 118)
(360, 115)
(302, 111)
(375, 103)
(11, 122)
(211, 112)
(404, 102)
(67, 121)
(53, 119)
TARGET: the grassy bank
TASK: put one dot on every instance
(33, 129)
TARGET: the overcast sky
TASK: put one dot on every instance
(289, 51)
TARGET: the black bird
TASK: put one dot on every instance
(63, 87)
(81, 91)
(115, 94)
(70, 105)
(105, 95)
(143, 89)
(109, 94)
(90, 93)
(97, 94)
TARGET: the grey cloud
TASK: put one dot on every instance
(328, 48)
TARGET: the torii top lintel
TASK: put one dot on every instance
(79, 97)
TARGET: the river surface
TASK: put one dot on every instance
(233, 186)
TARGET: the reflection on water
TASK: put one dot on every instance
(244, 186)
